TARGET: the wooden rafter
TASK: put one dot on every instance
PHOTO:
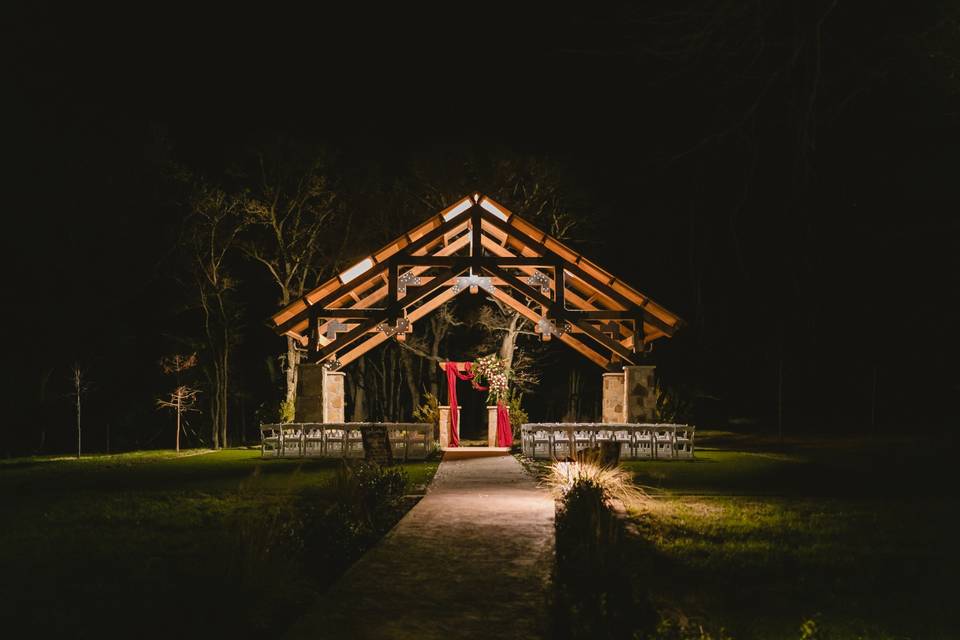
(580, 298)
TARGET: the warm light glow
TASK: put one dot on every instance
(361, 267)
(457, 210)
(494, 209)
(615, 481)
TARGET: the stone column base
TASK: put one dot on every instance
(492, 426)
(333, 393)
(445, 424)
(613, 400)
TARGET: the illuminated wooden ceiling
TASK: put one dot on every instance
(476, 244)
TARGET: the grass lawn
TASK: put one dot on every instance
(158, 544)
(757, 538)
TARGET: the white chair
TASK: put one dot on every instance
(416, 444)
(663, 441)
(683, 442)
(643, 443)
(560, 445)
(312, 443)
(354, 443)
(582, 440)
(541, 444)
(626, 443)
(334, 443)
(270, 442)
(398, 443)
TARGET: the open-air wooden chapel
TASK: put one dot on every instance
(474, 245)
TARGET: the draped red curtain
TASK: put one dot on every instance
(504, 431)
(453, 372)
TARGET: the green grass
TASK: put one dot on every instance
(757, 537)
(155, 543)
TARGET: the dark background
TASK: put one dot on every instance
(782, 175)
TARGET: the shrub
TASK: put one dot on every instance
(517, 414)
(429, 411)
(287, 411)
(593, 594)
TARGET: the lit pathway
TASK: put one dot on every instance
(471, 560)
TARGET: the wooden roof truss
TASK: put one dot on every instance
(476, 244)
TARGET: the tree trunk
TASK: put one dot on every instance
(406, 359)
(574, 387)
(360, 392)
(177, 445)
(438, 333)
(224, 395)
(293, 361)
(509, 341)
(78, 417)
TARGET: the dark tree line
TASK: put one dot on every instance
(780, 174)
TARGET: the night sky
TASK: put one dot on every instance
(783, 176)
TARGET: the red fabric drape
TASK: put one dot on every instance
(504, 431)
(453, 372)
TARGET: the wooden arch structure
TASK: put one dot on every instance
(476, 244)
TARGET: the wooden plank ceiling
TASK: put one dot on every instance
(476, 245)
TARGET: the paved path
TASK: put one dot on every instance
(471, 560)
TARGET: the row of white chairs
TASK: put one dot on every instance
(637, 441)
(316, 440)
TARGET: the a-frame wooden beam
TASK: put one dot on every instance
(574, 269)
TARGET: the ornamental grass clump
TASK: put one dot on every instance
(614, 482)
(593, 595)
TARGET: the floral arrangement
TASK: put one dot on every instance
(494, 371)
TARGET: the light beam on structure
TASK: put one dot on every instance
(457, 210)
(494, 209)
(356, 270)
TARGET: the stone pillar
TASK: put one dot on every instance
(309, 405)
(445, 424)
(612, 405)
(333, 404)
(640, 393)
(492, 426)
(319, 394)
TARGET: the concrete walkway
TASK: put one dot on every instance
(471, 560)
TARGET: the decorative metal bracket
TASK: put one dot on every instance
(483, 282)
(405, 280)
(540, 279)
(547, 328)
(333, 328)
(402, 326)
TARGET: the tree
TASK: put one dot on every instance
(80, 385)
(183, 398)
(211, 236)
(290, 211)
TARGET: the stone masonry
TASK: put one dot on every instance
(492, 426)
(333, 392)
(319, 394)
(630, 396)
(612, 407)
(640, 393)
(445, 424)
(309, 393)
